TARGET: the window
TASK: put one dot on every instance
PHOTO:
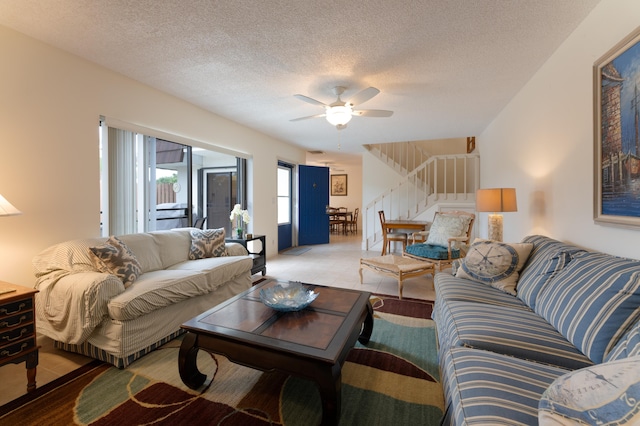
(148, 184)
(284, 195)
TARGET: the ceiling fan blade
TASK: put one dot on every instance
(309, 100)
(308, 117)
(363, 96)
(372, 113)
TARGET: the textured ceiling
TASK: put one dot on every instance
(445, 67)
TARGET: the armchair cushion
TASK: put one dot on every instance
(448, 226)
(494, 263)
(432, 251)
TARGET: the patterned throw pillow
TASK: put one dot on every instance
(207, 243)
(494, 263)
(114, 257)
(447, 226)
(607, 393)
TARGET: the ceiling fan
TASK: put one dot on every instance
(339, 113)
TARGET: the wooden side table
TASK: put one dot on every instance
(18, 329)
(259, 257)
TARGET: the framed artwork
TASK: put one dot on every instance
(338, 185)
(616, 78)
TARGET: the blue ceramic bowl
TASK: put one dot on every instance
(287, 297)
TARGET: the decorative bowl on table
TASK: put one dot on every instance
(287, 297)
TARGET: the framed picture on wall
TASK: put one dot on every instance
(616, 78)
(338, 185)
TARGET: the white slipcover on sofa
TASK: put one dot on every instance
(91, 312)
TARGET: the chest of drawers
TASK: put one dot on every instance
(18, 329)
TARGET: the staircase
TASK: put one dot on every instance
(427, 182)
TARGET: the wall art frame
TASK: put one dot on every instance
(616, 108)
(338, 185)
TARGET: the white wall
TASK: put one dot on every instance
(542, 142)
(353, 199)
(49, 111)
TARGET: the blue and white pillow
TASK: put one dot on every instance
(604, 394)
(495, 264)
(628, 346)
(593, 302)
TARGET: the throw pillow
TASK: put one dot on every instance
(114, 257)
(447, 226)
(628, 346)
(207, 243)
(494, 263)
(593, 302)
(602, 394)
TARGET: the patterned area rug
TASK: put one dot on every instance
(392, 380)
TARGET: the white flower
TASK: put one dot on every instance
(238, 212)
(245, 216)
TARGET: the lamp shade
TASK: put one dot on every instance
(496, 200)
(6, 209)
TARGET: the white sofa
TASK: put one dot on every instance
(92, 313)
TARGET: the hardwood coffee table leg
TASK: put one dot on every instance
(329, 381)
(187, 364)
(367, 327)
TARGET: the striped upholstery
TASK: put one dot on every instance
(545, 261)
(483, 388)
(449, 287)
(515, 332)
(628, 346)
(593, 302)
(88, 349)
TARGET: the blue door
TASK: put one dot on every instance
(314, 199)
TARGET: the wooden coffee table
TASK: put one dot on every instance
(312, 343)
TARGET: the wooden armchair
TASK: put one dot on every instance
(445, 241)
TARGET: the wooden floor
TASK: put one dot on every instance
(334, 264)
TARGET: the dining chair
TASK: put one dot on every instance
(446, 240)
(199, 222)
(388, 236)
(334, 219)
(351, 225)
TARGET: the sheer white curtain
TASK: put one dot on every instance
(122, 182)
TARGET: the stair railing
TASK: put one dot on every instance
(442, 178)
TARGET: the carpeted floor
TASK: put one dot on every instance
(392, 380)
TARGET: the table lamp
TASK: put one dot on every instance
(496, 201)
(6, 209)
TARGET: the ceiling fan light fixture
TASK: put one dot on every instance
(339, 115)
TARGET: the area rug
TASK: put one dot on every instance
(391, 380)
(296, 251)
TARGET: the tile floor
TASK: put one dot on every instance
(334, 264)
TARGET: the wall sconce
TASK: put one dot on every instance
(496, 200)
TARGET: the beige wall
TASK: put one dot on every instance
(51, 102)
(542, 142)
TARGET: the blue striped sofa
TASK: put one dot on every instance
(499, 353)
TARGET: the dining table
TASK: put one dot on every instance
(397, 224)
(340, 217)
